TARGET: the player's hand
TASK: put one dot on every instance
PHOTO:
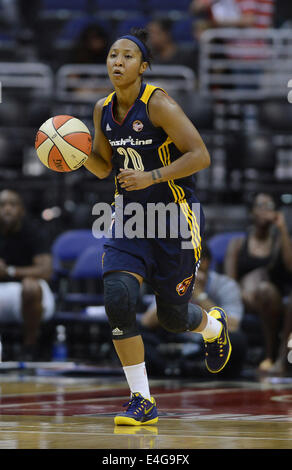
(276, 218)
(131, 180)
(279, 220)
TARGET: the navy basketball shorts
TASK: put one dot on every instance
(168, 264)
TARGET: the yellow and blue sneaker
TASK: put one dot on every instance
(139, 411)
(218, 349)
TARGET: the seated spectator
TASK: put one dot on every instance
(256, 14)
(214, 289)
(25, 269)
(91, 47)
(165, 50)
(234, 13)
(261, 262)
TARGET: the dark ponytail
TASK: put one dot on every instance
(143, 36)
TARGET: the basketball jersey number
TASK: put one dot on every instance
(133, 155)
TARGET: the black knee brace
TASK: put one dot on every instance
(121, 291)
(178, 318)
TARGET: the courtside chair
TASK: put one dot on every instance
(86, 286)
(218, 245)
(66, 248)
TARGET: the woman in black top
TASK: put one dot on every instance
(261, 262)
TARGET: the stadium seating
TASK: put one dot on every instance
(7, 48)
(254, 158)
(199, 110)
(259, 152)
(74, 27)
(276, 115)
(5, 37)
(128, 5)
(182, 5)
(77, 5)
(182, 30)
(125, 26)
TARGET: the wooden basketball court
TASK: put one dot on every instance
(47, 411)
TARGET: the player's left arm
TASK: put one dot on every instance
(164, 112)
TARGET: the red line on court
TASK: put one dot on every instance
(202, 401)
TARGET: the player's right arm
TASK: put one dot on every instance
(99, 161)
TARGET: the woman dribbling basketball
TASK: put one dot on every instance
(153, 148)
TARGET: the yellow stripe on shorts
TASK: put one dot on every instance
(180, 198)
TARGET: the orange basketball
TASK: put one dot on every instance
(63, 143)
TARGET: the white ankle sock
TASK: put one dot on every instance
(137, 379)
(212, 328)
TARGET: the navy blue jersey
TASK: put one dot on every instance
(138, 144)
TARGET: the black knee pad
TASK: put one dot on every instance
(178, 318)
(121, 291)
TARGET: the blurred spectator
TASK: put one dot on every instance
(213, 289)
(9, 11)
(22, 19)
(261, 262)
(256, 14)
(29, 13)
(215, 14)
(235, 13)
(25, 269)
(91, 47)
(283, 14)
(20, 14)
(27, 50)
(165, 50)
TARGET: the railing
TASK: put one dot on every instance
(245, 64)
(36, 78)
(87, 82)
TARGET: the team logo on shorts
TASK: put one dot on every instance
(138, 126)
(182, 287)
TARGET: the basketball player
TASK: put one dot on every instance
(154, 149)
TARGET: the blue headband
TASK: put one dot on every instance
(139, 44)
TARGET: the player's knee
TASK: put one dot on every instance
(31, 290)
(267, 294)
(265, 288)
(121, 292)
(178, 318)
